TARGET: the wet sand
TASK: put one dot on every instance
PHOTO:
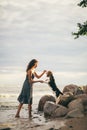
(38, 121)
(75, 124)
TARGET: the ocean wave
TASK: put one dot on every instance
(6, 95)
(8, 105)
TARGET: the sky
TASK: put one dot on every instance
(42, 29)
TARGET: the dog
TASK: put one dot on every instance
(52, 84)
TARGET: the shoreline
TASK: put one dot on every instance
(75, 124)
(38, 121)
(8, 108)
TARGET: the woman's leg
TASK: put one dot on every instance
(18, 111)
(29, 109)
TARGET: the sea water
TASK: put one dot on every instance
(9, 94)
(11, 85)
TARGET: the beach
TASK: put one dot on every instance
(8, 108)
(38, 121)
(9, 104)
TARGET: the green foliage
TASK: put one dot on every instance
(83, 3)
(82, 30)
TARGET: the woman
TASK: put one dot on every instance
(25, 96)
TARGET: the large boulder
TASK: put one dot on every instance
(84, 102)
(85, 89)
(76, 104)
(79, 91)
(83, 98)
(76, 108)
(65, 98)
(75, 113)
(53, 110)
(43, 100)
(60, 111)
(80, 96)
(71, 88)
(76, 90)
(49, 108)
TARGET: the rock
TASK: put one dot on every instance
(85, 110)
(49, 108)
(85, 89)
(84, 102)
(79, 91)
(53, 110)
(65, 98)
(71, 88)
(75, 113)
(80, 96)
(80, 102)
(60, 111)
(43, 101)
(76, 104)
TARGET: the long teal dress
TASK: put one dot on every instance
(25, 96)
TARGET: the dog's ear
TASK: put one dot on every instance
(49, 73)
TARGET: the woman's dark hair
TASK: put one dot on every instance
(31, 64)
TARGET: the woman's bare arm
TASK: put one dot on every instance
(30, 78)
(39, 76)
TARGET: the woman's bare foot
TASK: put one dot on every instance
(17, 116)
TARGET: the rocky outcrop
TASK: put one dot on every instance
(71, 88)
(65, 98)
(84, 89)
(76, 104)
(73, 103)
(49, 108)
(43, 101)
(75, 113)
(54, 110)
(81, 96)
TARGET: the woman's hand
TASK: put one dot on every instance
(41, 81)
(44, 71)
